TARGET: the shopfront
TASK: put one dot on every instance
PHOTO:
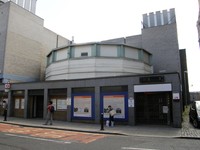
(18, 102)
(35, 103)
(153, 104)
(84, 100)
(59, 99)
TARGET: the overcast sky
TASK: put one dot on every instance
(96, 20)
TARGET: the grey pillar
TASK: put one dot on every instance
(69, 104)
(152, 20)
(27, 5)
(33, 6)
(131, 110)
(45, 102)
(15, 1)
(165, 17)
(158, 18)
(26, 102)
(10, 104)
(20, 3)
(177, 116)
(97, 105)
(145, 21)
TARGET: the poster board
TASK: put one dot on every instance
(118, 104)
(17, 103)
(22, 103)
(61, 104)
(82, 106)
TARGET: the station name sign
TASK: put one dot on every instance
(152, 79)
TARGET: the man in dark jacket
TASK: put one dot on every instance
(5, 108)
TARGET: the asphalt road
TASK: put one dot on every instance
(20, 138)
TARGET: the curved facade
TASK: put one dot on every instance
(93, 60)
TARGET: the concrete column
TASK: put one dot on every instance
(33, 6)
(20, 3)
(177, 115)
(97, 104)
(131, 110)
(45, 102)
(152, 19)
(145, 21)
(173, 15)
(165, 17)
(27, 5)
(158, 18)
(15, 1)
(26, 102)
(10, 105)
(69, 99)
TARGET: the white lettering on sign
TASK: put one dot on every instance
(7, 86)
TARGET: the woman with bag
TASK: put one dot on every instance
(111, 112)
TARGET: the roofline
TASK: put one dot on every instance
(93, 43)
(122, 76)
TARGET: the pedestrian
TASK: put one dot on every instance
(111, 112)
(50, 110)
(5, 108)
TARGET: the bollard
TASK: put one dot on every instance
(101, 121)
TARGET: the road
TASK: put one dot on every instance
(25, 138)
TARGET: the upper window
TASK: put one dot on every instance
(50, 59)
(84, 54)
(61, 54)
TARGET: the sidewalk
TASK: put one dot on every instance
(125, 130)
(187, 130)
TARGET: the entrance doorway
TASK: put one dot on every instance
(36, 106)
(153, 107)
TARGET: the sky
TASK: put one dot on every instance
(97, 20)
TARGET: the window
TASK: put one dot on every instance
(50, 59)
(84, 54)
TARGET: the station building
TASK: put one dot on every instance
(143, 77)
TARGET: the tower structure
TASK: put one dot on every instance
(29, 5)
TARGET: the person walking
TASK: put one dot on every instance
(111, 112)
(50, 111)
(5, 108)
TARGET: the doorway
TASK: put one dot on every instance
(153, 107)
(36, 106)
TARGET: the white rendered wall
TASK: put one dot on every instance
(108, 51)
(95, 67)
(131, 53)
(62, 54)
(82, 49)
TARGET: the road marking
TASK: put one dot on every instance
(41, 139)
(137, 148)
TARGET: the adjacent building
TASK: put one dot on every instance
(141, 76)
(29, 5)
(24, 44)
